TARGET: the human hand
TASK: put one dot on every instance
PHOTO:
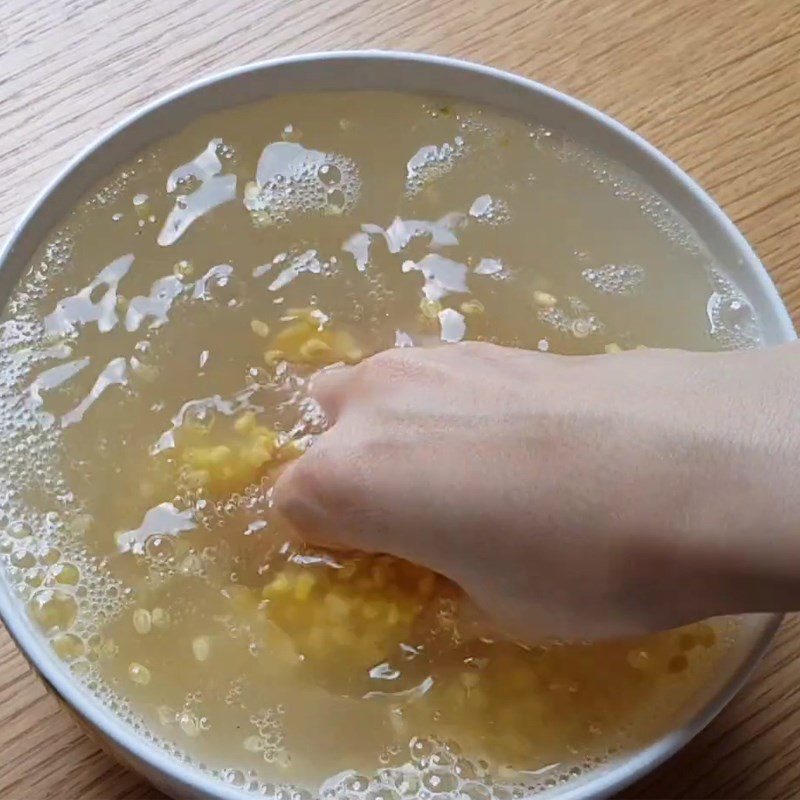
(584, 497)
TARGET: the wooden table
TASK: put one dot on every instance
(714, 83)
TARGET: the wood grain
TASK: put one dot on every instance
(714, 84)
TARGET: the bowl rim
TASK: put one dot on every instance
(156, 763)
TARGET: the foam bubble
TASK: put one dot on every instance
(732, 323)
(292, 179)
(575, 318)
(622, 186)
(491, 210)
(614, 278)
(431, 162)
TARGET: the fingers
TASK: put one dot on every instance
(295, 499)
(309, 491)
(316, 492)
(329, 388)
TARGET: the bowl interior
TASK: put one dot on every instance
(410, 73)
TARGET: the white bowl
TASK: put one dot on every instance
(407, 72)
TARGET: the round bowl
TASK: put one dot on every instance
(407, 72)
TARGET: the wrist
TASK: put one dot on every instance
(746, 510)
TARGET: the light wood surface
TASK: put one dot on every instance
(714, 83)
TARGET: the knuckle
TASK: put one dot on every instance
(395, 365)
(471, 346)
(331, 388)
(298, 491)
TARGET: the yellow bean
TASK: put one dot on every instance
(245, 423)
(430, 308)
(315, 350)
(544, 299)
(303, 586)
(472, 307)
(259, 328)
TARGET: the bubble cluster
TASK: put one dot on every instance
(623, 186)
(438, 770)
(732, 323)
(268, 740)
(614, 278)
(108, 193)
(489, 130)
(292, 179)
(67, 592)
(574, 318)
(56, 257)
(492, 210)
(431, 162)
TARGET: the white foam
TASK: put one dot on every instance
(213, 190)
(491, 210)
(443, 276)
(453, 326)
(72, 313)
(431, 162)
(292, 179)
(307, 262)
